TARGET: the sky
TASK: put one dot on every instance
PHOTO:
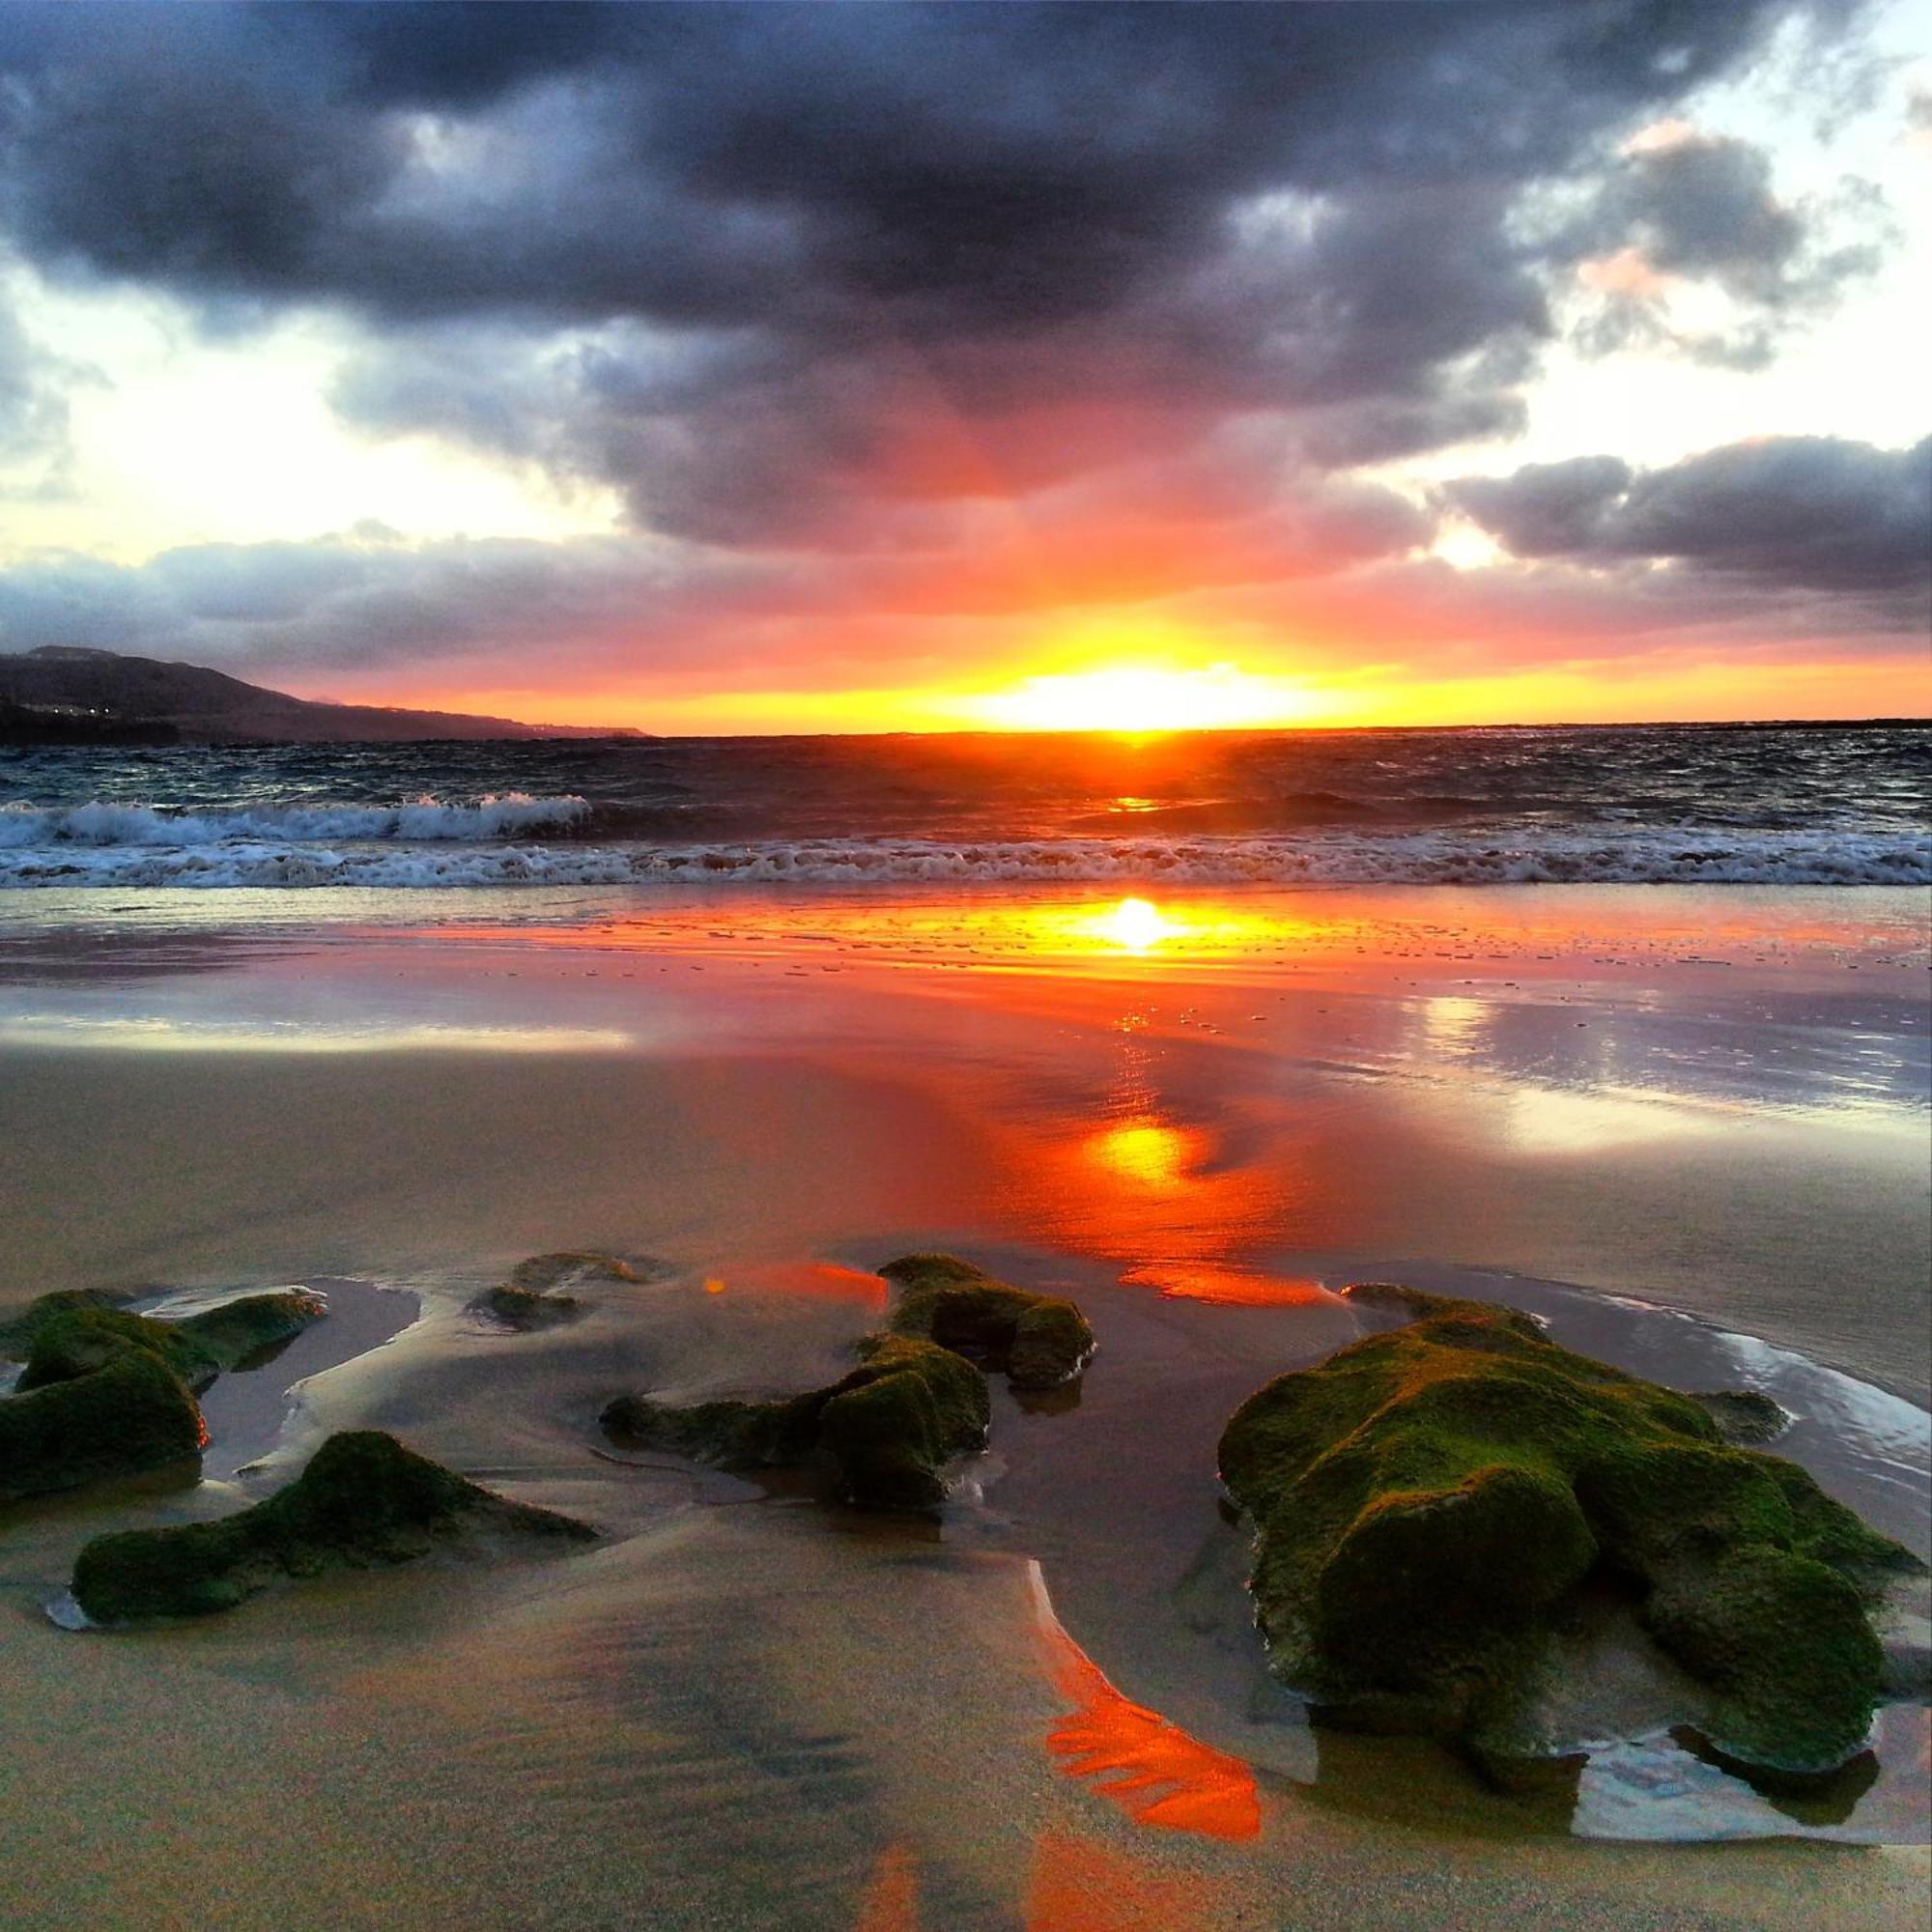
(893, 366)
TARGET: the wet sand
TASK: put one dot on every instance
(742, 1709)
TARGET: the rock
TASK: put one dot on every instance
(1427, 1500)
(529, 1299)
(128, 1414)
(70, 1341)
(1746, 1416)
(106, 1394)
(887, 1430)
(238, 1330)
(1036, 1340)
(364, 1500)
(74, 1345)
(17, 1334)
(65, 1335)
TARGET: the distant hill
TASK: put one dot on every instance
(62, 695)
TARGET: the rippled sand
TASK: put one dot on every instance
(742, 1709)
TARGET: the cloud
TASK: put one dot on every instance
(34, 410)
(1687, 208)
(733, 259)
(1817, 513)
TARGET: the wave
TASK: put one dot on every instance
(494, 817)
(1619, 855)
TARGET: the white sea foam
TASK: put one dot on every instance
(29, 828)
(447, 845)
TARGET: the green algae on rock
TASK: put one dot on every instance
(1426, 1500)
(887, 1430)
(529, 1298)
(106, 1394)
(237, 1331)
(364, 1501)
(18, 1332)
(129, 1414)
(74, 1345)
(1038, 1341)
(76, 1336)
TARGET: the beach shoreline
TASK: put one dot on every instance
(1201, 1129)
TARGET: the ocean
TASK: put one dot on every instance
(1813, 805)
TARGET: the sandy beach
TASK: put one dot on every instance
(1688, 1128)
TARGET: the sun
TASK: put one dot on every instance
(1142, 700)
(1135, 925)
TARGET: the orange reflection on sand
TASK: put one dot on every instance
(891, 1902)
(819, 1281)
(1149, 1767)
(1077, 1886)
(1147, 1151)
(1230, 1283)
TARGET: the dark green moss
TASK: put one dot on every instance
(75, 1344)
(1746, 1416)
(238, 1330)
(77, 1334)
(529, 1298)
(364, 1500)
(1036, 1340)
(887, 1430)
(18, 1332)
(128, 1413)
(1426, 1500)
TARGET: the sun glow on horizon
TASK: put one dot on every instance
(1143, 699)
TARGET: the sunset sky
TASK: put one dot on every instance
(897, 366)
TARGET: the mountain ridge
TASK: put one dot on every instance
(77, 693)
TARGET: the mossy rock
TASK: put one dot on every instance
(74, 1341)
(530, 1298)
(887, 1430)
(1427, 1500)
(128, 1413)
(105, 1393)
(18, 1332)
(238, 1330)
(1746, 1416)
(1038, 1341)
(76, 1344)
(364, 1501)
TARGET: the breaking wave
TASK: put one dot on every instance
(433, 845)
(98, 823)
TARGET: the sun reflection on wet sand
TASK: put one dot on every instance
(1147, 1152)
(1135, 925)
(1135, 1758)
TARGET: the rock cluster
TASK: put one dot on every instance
(106, 1394)
(916, 1400)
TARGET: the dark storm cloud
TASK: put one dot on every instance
(1235, 206)
(1816, 512)
(1030, 162)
